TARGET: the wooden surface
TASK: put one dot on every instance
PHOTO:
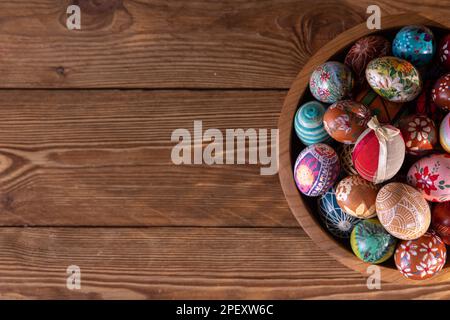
(86, 175)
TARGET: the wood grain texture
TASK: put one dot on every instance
(103, 158)
(173, 44)
(181, 263)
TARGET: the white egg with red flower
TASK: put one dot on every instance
(431, 176)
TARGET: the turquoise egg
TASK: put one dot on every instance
(415, 44)
(338, 223)
(308, 123)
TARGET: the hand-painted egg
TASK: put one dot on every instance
(308, 123)
(403, 211)
(415, 44)
(421, 258)
(345, 120)
(394, 79)
(316, 169)
(419, 133)
(384, 110)
(440, 220)
(335, 219)
(379, 152)
(444, 52)
(444, 133)
(365, 50)
(431, 176)
(331, 81)
(356, 196)
(441, 92)
(371, 243)
(345, 155)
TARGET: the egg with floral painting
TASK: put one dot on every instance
(331, 81)
(371, 243)
(316, 169)
(431, 176)
(357, 196)
(339, 223)
(444, 52)
(421, 258)
(363, 51)
(444, 133)
(419, 133)
(441, 92)
(394, 79)
(345, 120)
(415, 44)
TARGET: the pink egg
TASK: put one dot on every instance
(431, 176)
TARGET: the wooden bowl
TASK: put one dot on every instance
(304, 208)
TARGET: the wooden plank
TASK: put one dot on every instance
(181, 263)
(173, 44)
(104, 158)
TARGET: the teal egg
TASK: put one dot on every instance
(415, 44)
(308, 123)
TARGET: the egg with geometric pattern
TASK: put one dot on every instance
(308, 123)
(337, 222)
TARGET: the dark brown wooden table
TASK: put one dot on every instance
(86, 175)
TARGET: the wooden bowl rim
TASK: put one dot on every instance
(299, 208)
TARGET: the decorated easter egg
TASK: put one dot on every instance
(365, 50)
(345, 120)
(371, 243)
(419, 133)
(415, 44)
(335, 219)
(431, 176)
(385, 110)
(440, 220)
(345, 155)
(316, 169)
(403, 211)
(308, 123)
(444, 133)
(441, 92)
(421, 258)
(444, 52)
(331, 81)
(379, 152)
(394, 79)
(356, 196)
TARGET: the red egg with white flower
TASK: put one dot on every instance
(419, 133)
(421, 258)
(431, 176)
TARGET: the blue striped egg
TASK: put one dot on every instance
(335, 219)
(308, 123)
